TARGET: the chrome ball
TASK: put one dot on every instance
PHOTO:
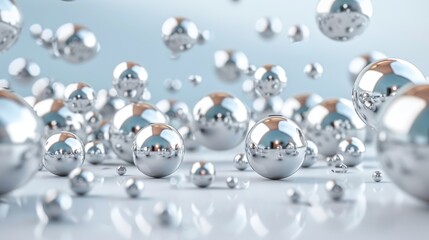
(23, 70)
(268, 27)
(294, 195)
(93, 120)
(311, 154)
(121, 170)
(202, 174)
(45, 88)
(270, 80)
(275, 147)
(353, 150)
(263, 106)
(334, 190)
(179, 34)
(377, 176)
(220, 120)
(21, 133)
(296, 107)
(10, 24)
(158, 150)
(313, 70)
(108, 103)
(330, 121)
(177, 111)
(129, 80)
(230, 64)
(55, 205)
(79, 97)
(231, 182)
(358, 63)
(134, 187)
(240, 162)
(81, 181)
(168, 214)
(95, 152)
(378, 82)
(298, 33)
(64, 152)
(190, 141)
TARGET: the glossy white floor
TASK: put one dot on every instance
(369, 211)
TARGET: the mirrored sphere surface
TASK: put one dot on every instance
(311, 154)
(353, 150)
(296, 107)
(270, 80)
(79, 97)
(129, 80)
(10, 24)
(179, 34)
(230, 64)
(202, 174)
(358, 63)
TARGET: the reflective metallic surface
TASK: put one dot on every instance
(81, 181)
(270, 80)
(79, 97)
(108, 104)
(129, 80)
(377, 176)
(95, 152)
(330, 121)
(268, 27)
(358, 63)
(296, 107)
(158, 150)
(10, 24)
(177, 111)
(298, 33)
(334, 190)
(230, 64)
(353, 150)
(313, 70)
(45, 88)
(134, 187)
(275, 147)
(263, 106)
(54, 205)
(121, 170)
(179, 34)
(240, 162)
(311, 154)
(190, 141)
(221, 121)
(231, 182)
(23, 70)
(378, 82)
(202, 174)
(168, 214)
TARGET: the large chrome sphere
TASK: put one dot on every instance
(296, 107)
(270, 80)
(230, 64)
(129, 80)
(158, 150)
(403, 140)
(275, 147)
(342, 20)
(330, 121)
(80, 97)
(179, 34)
(358, 63)
(378, 82)
(21, 131)
(221, 121)
(10, 24)
(127, 122)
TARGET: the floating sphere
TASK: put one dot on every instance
(134, 187)
(75, 43)
(168, 214)
(108, 104)
(311, 154)
(23, 70)
(10, 24)
(240, 162)
(268, 27)
(378, 82)
(55, 205)
(79, 97)
(270, 80)
(221, 121)
(190, 141)
(230, 64)
(293, 195)
(93, 119)
(195, 80)
(263, 106)
(343, 20)
(352, 149)
(179, 34)
(337, 160)
(81, 181)
(95, 152)
(172, 85)
(176, 111)
(275, 147)
(202, 174)
(403, 142)
(296, 107)
(21, 132)
(335, 190)
(127, 122)
(313, 70)
(298, 33)
(64, 152)
(129, 80)
(377, 176)
(360, 62)
(203, 37)
(251, 69)
(330, 121)
(121, 170)
(4, 84)
(158, 150)
(231, 182)
(45, 88)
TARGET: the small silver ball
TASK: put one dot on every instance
(179, 34)
(358, 63)
(93, 119)
(23, 70)
(129, 80)
(240, 162)
(268, 27)
(270, 80)
(134, 187)
(251, 69)
(335, 160)
(231, 182)
(296, 107)
(4, 84)
(313, 70)
(55, 204)
(11, 24)
(263, 107)
(298, 33)
(352, 149)
(335, 190)
(195, 79)
(202, 174)
(95, 152)
(168, 214)
(121, 170)
(79, 97)
(172, 85)
(294, 195)
(377, 176)
(45, 88)
(81, 181)
(230, 64)
(311, 154)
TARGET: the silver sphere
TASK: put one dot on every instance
(108, 103)
(330, 121)
(268, 27)
(231, 182)
(121, 170)
(296, 107)
(263, 106)
(311, 154)
(334, 190)
(168, 214)
(190, 141)
(21, 132)
(81, 181)
(240, 162)
(173, 85)
(134, 187)
(358, 63)
(79, 97)
(45, 88)
(5, 84)
(378, 82)
(158, 150)
(377, 176)
(202, 174)
(313, 70)
(64, 152)
(353, 150)
(403, 142)
(93, 120)
(10, 24)
(179, 34)
(203, 37)
(275, 147)
(343, 20)
(195, 80)
(270, 80)
(95, 152)
(129, 80)
(337, 160)
(55, 204)
(127, 122)
(75, 43)
(221, 121)
(230, 64)
(294, 195)
(23, 70)
(298, 33)
(177, 111)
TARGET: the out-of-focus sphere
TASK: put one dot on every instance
(298, 33)
(45, 88)
(4, 83)
(55, 204)
(202, 174)
(179, 34)
(377, 176)
(129, 80)
(203, 37)
(80, 97)
(21, 132)
(221, 121)
(93, 119)
(134, 187)
(330, 121)
(64, 152)
(190, 141)
(296, 107)
(270, 80)
(173, 85)
(158, 150)
(35, 30)
(75, 43)
(195, 79)
(403, 140)
(335, 161)
(311, 154)
(268, 27)
(251, 69)
(121, 170)
(334, 190)
(275, 147)
(108, 105)
(81, 181)
(262, 107)
(95, 152)
(23, 70)
(352, 149)
(378, 82)
(230, 64)
(313, 70)
(47, 39)
(176, 111)
(240, 162)
(343, 20)
(127, 122)
(168, 214)
(293, 195)
(231, 182)
(10, 24)
(358, 63)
